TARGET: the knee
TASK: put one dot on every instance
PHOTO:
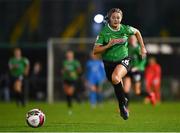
(137, 92)
(116, 80)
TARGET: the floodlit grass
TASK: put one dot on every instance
(163, 117)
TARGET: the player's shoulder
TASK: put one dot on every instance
(125, 26)
(158, 65)
(11, 59)
(128, 28)
(76, 61)
(25, 59)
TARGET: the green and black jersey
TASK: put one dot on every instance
(18, 66)
(71, 70)
(119, 50)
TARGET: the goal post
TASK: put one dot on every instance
(56, 47)
(50, 72)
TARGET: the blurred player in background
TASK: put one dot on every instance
(112, 44)
(153, 79)
(71, 71)
(19, 69)
(37, 89)
(134, 77)
(95, 77)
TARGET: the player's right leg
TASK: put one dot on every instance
(69, 91)
(119, 72)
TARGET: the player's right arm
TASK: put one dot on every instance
(99, 46)
(10, 64)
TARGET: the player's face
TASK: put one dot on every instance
(70, 55)
(17, 53)
(152, 61)
(115, 20)
(37, 67)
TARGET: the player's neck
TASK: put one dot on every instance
(117, 28)
(18, 58)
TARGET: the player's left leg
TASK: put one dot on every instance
(99, 92)
(69, 91)
(157, 91)
(127, 87)
(137, 88)
(76, 93)
(93, 96)
(137, 81)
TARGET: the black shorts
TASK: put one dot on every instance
(110, 66)
(135, 76)
(13, 79)
(70, 82)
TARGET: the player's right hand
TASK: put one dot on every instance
(111, 42)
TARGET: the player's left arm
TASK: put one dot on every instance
(158, 71)
(79, 68)
(141, 42)
(27, 67)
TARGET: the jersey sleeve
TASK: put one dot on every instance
(99, 39)
(78, 65)
(131, 30)
(10, 63)
(26, 61)
(142, 64)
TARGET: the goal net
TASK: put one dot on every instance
(165, 49)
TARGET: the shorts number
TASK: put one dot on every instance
(126, 62)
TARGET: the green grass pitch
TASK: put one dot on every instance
(105, 118)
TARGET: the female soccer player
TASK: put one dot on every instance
(137, 67)
(19, 68)
(70, 72)
(95, 76)
(112, 43)
(153, 79)
(134, 77)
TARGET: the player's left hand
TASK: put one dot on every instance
(143, 52)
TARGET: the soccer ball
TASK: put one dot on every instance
(35, 118)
